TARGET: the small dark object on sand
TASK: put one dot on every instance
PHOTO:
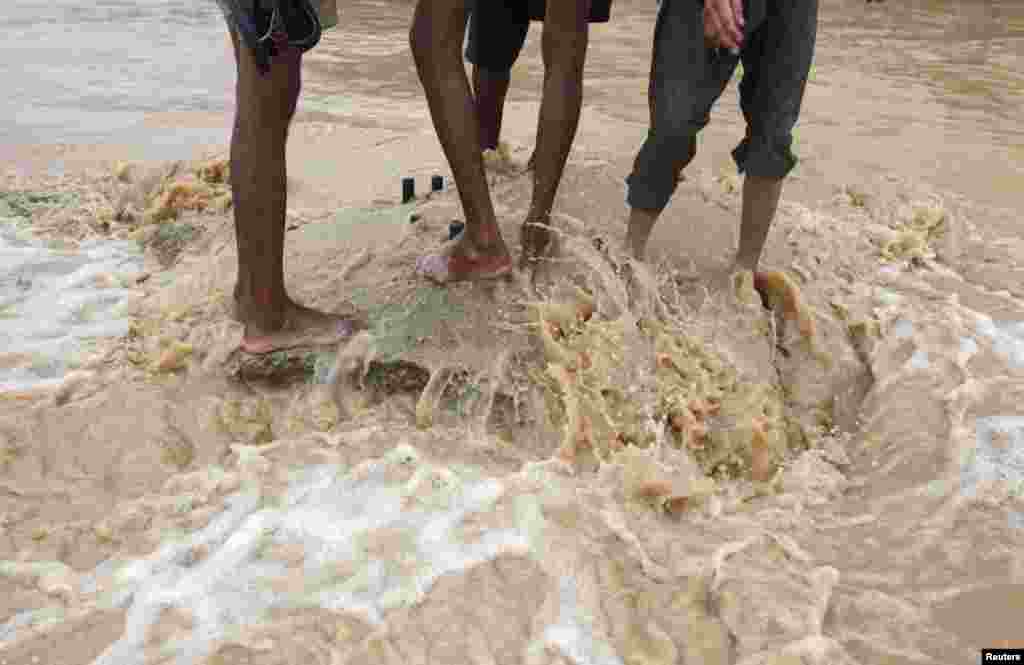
(437, 183)
(454, 229)
(408, 189)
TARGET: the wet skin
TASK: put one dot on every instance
(436, 38)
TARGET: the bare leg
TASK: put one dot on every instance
(263, 110)
(641, 223)
(436, 38)
(760, 201)
(565, 49)
(490, 89)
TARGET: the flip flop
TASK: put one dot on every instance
(434, 267)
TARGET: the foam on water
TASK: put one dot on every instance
(999, 456)
(375, 538)
(1007, 338)
(968, 347)
(574, 635)
(920, 360)
(991, 460)
(903, 329)
(51, 304)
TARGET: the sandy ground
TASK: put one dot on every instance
(491, 480)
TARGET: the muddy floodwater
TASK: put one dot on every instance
(574, 469)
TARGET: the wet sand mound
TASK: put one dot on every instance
(576, 469)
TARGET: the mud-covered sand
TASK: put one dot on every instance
(573, 470)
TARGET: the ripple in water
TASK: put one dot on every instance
(54, 301)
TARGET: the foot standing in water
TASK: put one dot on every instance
(696, 50)
(266, 94)
(436, 37)
(496, 36)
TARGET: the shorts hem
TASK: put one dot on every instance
(763, 163)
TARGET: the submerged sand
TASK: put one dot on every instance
(573, 470)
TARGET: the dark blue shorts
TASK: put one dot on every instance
(497, 31)
(687, 78)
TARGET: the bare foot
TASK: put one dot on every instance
(714, 285)
(723, 282)
(461, 260)
(535, 238)
(303, 326)
(779, 292)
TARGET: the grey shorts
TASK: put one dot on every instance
(687, 78)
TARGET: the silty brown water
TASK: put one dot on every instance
(916, 563)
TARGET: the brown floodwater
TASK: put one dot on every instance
(931, 90)
(907, 550)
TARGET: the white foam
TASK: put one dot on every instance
(903, 329)
(332, 515)
(574, 635)
(968, 347)
(375, 538)
(920, 360)
(1007, 339)
(990, 462)
(51, 306)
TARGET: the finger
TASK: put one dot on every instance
(715, 36)
(738, 19)
(737, 11)
(730, 34)
(711, 37)
(715, 26)
(733, 21)
(709, 32)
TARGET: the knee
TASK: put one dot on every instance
(563, 47)
(676, 139)
(267, 100)
(564, 42)
(768, 156)
(288, 86)
(292, 106)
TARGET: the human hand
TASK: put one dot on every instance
(723, 23)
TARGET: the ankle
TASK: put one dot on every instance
(638, 232)
(483, 236)
(746, 262)
(635, 250)
(261, 321)
(260, 308)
